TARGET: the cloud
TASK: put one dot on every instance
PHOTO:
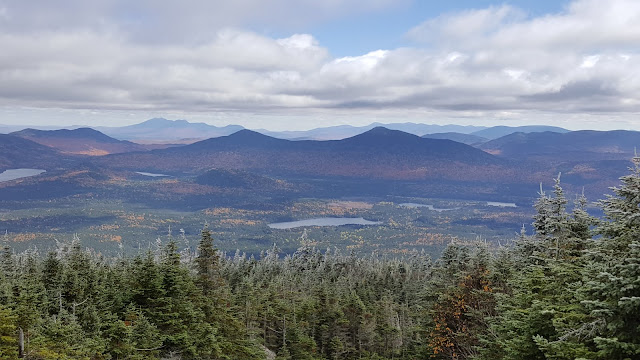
(466, 26)
(89, 69)
(496, 61)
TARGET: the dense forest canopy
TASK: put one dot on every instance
(571, 290)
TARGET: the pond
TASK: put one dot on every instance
(13, 174)
(150, 174)
(325, 221)
(501, 204)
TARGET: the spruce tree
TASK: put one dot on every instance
(613, 277)
(541, 315)
(8, 338)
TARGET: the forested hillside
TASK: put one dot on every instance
(569, 291)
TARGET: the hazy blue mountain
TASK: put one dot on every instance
(160, 129)
(344, 131)
(74, 134)
(575, 145)
(420, 129)
(6, 129)
(84, 141)
(499, 131)
(468, 139)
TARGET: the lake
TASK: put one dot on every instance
(501, 204)
(150, 174)
(430, 207)
(323, 222)
(13, 174)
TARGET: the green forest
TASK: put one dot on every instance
(570, 290)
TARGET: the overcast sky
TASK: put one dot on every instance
(299, 64)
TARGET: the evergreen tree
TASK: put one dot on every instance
(539, 316)
(612, 279)
(176, 317)
(208, 265)
(8, 338)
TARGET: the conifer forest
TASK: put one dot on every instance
(570, 290)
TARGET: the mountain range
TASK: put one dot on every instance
(345, 131)
(376, 162)
(378, 153)
(574, 145)
(500, 131)
(84, 141)
(468, 139)
(160, 130)
(163, 131)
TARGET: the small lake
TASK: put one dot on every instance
(150, 174)
(430, 207)
(13, 174)
(501, 204)
(323, 222)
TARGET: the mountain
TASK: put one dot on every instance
(159, 129)
(379, 153)
(419, 129)
(345, 131)
(439, 131)
(16, 152)
(385, 140)
(499, 131)
(239, 140)
(83, 141)
(260, 169)
(584, 145)
(468, 139)
(7, 129)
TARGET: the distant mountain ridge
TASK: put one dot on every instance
(574, 145)
(160, 129)
(500, 131)
(84, 141)
(164, 131)
(468, 139)
(344, 131)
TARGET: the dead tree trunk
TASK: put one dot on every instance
(20, 343)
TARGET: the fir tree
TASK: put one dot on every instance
(612, 279)
(8, 338)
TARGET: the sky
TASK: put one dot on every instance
(302, 64)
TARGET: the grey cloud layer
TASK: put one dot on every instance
(106, 56)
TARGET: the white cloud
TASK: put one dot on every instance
(465, 26)
(489, 62)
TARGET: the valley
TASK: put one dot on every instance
(412, 193)
(111, 226)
